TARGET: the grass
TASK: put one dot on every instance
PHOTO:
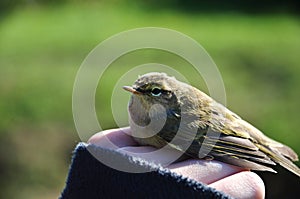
(42, 48)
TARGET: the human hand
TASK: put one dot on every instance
(232, 180)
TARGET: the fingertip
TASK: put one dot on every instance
(242, 185)
(95, 138)
(112, 138)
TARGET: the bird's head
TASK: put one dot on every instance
(155, 88)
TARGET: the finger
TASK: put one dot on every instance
(203, 170)
(113, 138)
(163, 156)
(242, 185)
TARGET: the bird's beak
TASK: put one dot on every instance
(132, 90)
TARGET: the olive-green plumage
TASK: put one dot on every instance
(200, 127)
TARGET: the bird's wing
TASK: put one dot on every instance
(229, 149)
(228, 138)
(242, 144)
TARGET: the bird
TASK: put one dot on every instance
(166, 112)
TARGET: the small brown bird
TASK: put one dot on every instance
(164, 111)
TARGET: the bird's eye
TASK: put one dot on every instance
(156, 91)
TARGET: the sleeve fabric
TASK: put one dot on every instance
(90, 178)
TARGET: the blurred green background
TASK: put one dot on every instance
(255, 45)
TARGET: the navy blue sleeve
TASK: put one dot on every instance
(90, 178)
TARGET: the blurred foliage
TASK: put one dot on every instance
(42, 47)
(246, 6)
